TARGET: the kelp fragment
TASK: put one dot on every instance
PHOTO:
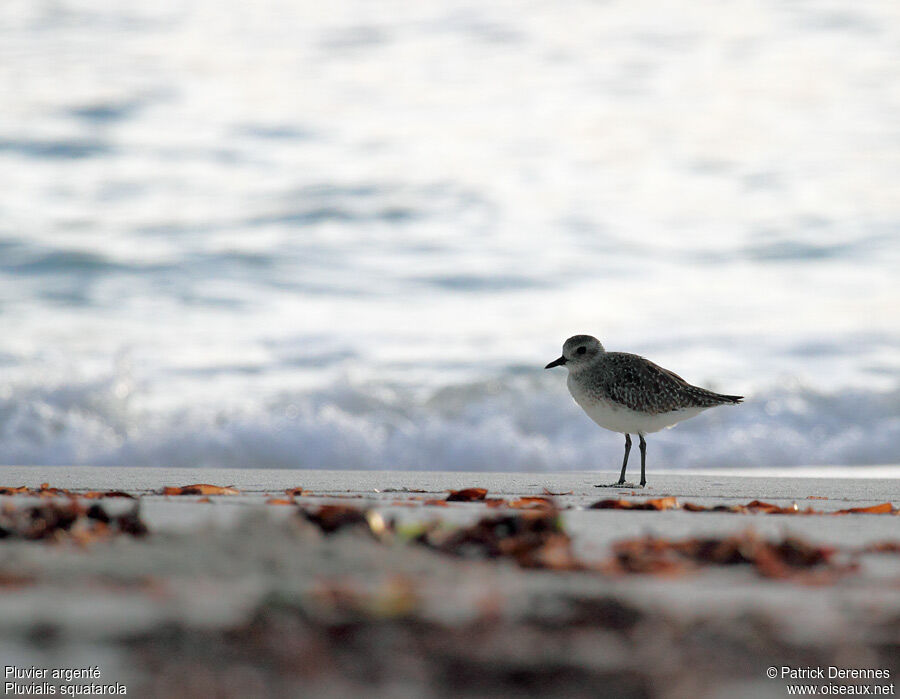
(882, 547)
(20, 490)
(885, 508)
(528, 503)
(46, 491)
(533, 539)
(68, 520)
(467, 495)
(200, 489)
(97, 494)
(667, 503)
(791, 558)
(335, 518)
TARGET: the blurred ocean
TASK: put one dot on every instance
(351, 234)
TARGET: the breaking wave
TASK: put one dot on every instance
(516, 425)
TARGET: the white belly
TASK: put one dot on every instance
(621, 419)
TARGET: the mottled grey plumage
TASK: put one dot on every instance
(637, 383)
(627, 393)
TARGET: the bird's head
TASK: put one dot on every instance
(578, 352)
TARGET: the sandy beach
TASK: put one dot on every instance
(245, 595)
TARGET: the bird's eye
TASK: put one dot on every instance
(581, 350)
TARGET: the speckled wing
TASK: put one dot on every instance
(639, 384)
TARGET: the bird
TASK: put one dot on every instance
(629, 394)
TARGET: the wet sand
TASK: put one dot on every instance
(240, 598)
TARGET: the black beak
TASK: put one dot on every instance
(556, 362)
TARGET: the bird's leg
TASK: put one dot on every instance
(643, 446)
(625, 460)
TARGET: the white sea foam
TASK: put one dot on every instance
(521, 424)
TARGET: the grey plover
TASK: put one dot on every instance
(630, 394)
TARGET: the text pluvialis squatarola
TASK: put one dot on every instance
(627, 393)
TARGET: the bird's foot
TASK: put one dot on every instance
(620, 484)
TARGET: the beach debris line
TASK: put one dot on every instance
(535, 538)
(70, 520)
(201, 489)
(752, 507)
(45, 491)
(792, 558)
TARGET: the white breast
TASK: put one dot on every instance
(617, 418)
